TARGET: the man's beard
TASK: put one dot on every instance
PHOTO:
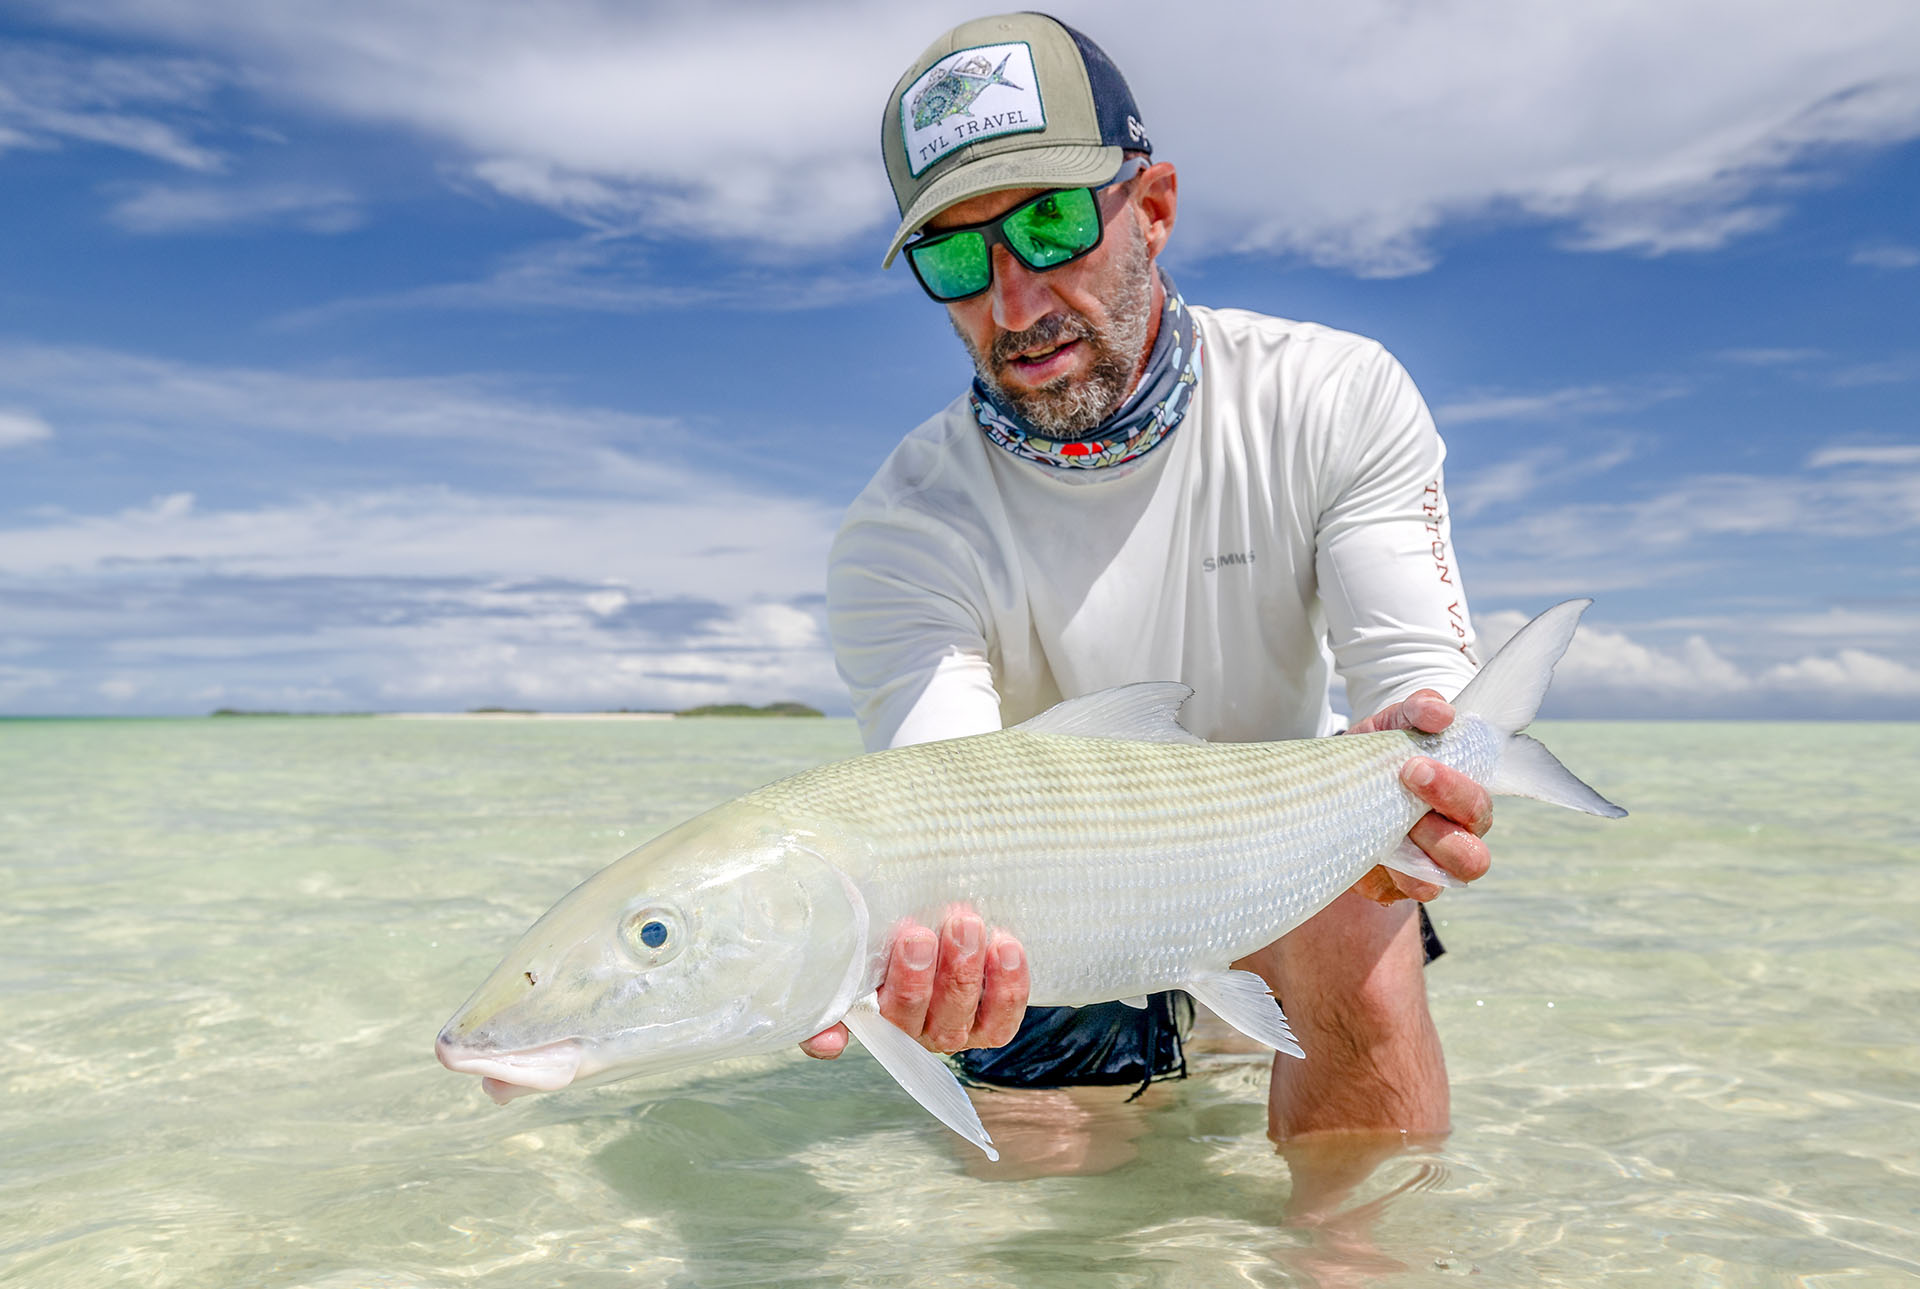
(1070, 406)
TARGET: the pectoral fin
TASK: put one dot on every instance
(1243, 1000)
(924, 1075)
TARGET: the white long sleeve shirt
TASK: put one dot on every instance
(1294, 524)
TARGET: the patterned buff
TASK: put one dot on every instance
(1143, 421)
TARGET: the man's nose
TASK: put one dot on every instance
(1020, 297)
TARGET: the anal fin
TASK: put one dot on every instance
(1243, 1000)
(1410, 859)
(924, 1075)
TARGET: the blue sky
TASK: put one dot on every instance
(387, 356)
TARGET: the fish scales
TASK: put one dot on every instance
(1117, 871)
(1126, 855)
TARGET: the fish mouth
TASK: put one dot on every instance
(506, 1075)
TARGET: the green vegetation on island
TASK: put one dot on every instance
(741, 709)
(709, 709)
(245, 711)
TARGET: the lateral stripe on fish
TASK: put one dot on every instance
(1127, 856)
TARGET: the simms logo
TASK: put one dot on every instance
(1226, 559)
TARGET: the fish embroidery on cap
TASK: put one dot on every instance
(972, 95)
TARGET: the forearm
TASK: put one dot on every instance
(1388, 577)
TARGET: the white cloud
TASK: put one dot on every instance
(1769, 357)
(1759, 566)
(1579, 400)
(1850, 673)
(386, 644)
(1889, 371)
(685, 540)
(106, 390)
(1750, 553)
(21, 687)
(600, 566)
(1801, 363)
(1887, 255)
(1657, 535)
(1344, 133)
(423, 598)
(1887, 625)
(1818, 366)
(171, 209)
(612, 273)
(17, 427)
(1599, 658)
(1572, 401)
(1894, 454)
(49, 96)
(1522, 474)
(1631, 678)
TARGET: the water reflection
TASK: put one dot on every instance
(1328, 1171)
(1678, 1056)
(1059, 1132)
(1317, 1223)
(807, 1172)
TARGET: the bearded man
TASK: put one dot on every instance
(1138, 489)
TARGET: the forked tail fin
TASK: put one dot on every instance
(1507, 692)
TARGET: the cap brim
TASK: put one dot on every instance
(1066, 165)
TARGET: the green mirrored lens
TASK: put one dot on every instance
(1054, 228)
(953, 266)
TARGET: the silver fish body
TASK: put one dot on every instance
(1126, 855)
(1122, 867)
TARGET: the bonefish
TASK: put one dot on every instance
(1127, 855)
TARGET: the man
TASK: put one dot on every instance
(1135, 489)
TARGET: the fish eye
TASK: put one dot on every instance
(652, 934)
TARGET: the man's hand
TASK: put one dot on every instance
(963, 988)
(1461, 811)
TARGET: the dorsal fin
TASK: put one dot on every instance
(1146, 713)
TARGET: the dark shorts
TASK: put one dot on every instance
(1106, 1043)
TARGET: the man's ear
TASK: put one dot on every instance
(1157, 198)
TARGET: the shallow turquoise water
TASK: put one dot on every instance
(1685, 1047)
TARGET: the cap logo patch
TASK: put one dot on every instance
(968, 96)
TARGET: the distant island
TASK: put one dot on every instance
(710, 709)
(245, 711)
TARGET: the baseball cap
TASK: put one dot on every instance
(1017, 101)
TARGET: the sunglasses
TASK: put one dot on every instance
(1055, 228)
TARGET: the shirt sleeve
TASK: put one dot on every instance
(1396, 610)
(908, 635)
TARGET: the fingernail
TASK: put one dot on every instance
(967, 935)
(1009, 956)
(917, 952)
(1418, 772)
